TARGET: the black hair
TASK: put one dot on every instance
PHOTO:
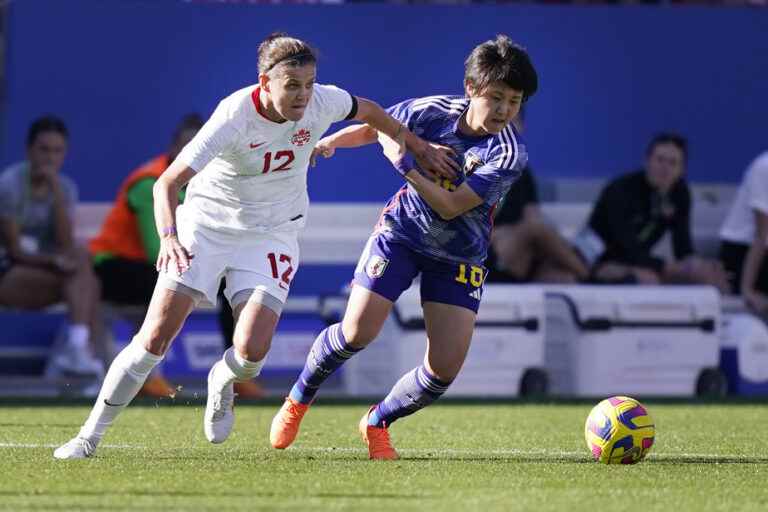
(48, 123)
(280, 48)
(191, 121)
(668, 138)
(501, 60)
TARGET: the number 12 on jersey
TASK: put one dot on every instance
(285, 277)
(286, 155)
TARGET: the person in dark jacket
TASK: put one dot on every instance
(635, 210)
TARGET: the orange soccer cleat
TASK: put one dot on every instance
(285, 424)
(250, 390)
(377, 438)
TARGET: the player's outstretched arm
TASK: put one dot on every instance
(352, 136)
(448, 205)
(435, 159)
(166, 197)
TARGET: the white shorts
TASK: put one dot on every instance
(265, 263)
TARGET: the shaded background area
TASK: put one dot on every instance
(122, 74)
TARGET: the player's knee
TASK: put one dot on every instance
(358, 335)
(252, 348)
(155, 340)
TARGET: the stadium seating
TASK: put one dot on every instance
(333, 239)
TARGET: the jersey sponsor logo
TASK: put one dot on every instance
(471, 163)
(301, 137)
(254, 146)
(376, 266)
(476, 294)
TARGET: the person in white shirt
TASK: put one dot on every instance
(245, 203)
(744, 235)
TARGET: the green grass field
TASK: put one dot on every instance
(455, 457)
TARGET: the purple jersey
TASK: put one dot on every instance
(491, 164)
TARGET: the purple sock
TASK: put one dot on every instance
(415, 390)
(329, 351)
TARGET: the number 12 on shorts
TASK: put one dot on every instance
(476, 275)
(285, 277)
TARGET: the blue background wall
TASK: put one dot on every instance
(123, 73)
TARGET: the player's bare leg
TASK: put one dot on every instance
(449, 333)
(167, 312)
(363, 320)
(255, 322)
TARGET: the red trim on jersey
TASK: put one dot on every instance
(490, 217)
(255, 96)
(390, 206)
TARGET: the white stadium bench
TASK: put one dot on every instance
(336, 233)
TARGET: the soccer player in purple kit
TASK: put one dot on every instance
(432, 226)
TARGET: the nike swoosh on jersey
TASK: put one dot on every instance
(254, 146)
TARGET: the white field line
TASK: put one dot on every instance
(33, 445)
(514, 452)
(423, 451)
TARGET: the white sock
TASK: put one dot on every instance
(234, 367)
(77, 336)
(125, 377)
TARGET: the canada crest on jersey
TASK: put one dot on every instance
(471, 163)
(301, 137)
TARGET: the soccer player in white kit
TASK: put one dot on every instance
(245, 204)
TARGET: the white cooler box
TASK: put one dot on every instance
(505, 359)
(633, 340)
(744, 354)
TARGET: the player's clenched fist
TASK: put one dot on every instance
(324, 149)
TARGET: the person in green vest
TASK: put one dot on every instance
(125, 251)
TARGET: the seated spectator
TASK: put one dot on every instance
(524, 247)
(634, 211)
(744, 235)
(125, 251)
(40, 264)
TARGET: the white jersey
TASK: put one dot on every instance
(739, 225)
(252, 172)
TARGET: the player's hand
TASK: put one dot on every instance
(437, 159)
(173, 257)
(394, 150)
(321, 149)
(49, 173)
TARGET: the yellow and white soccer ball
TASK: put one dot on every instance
(619, 430)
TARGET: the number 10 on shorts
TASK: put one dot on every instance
(475, 275)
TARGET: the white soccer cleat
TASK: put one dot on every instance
(219, 411)
(75, 448)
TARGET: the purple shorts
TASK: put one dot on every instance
(388, 268)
